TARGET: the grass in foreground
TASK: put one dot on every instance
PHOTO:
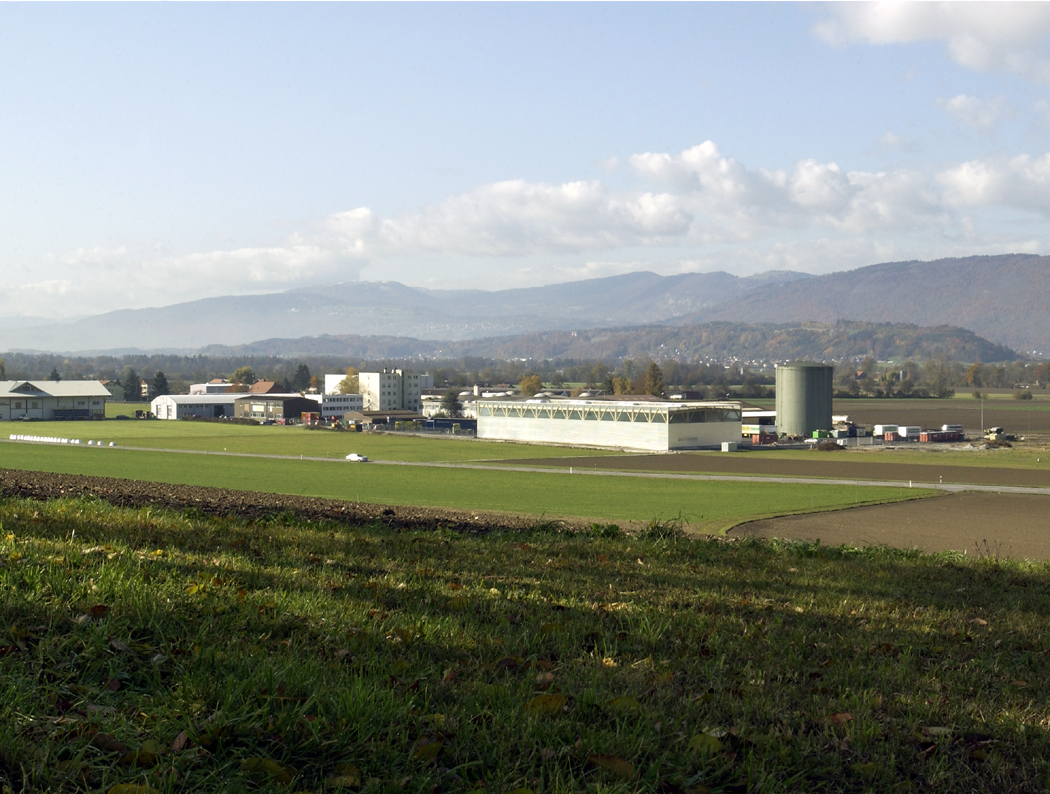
(166, 652)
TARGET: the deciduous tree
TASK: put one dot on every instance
(351, 383)
(530, 384)
(450, 404)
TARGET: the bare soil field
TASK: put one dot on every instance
(839, 465)
(256, 506)
(980, 524)
(1012, 419)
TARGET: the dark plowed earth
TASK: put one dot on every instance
(252, 505)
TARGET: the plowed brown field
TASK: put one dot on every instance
(983, 524)
(253, 505)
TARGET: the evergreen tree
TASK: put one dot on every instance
(301, 378)
(654, 380)
(54, 375)
(159, 388)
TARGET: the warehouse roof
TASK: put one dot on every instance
(52, 388)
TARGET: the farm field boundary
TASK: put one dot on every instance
(831, 466)
(711, 505)
(982, 525)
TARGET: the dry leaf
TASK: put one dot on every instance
(614, 764)
(426, 749)
(266, 770)
(705, 743)
(840, 718)
(180, 742)
(344, 775)
(547, 704)
(624, 703)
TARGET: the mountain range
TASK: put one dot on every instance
(1002, 298)
(745, 342)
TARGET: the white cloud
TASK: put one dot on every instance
(1021, 183)
(697, 209)
(1008, 36)
(974, 112)
(889, 140)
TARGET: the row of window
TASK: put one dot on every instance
(695, 416)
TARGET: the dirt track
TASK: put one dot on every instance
(253, 505)
(843, 466)
(988, 524)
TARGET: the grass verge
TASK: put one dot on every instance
(147, 650)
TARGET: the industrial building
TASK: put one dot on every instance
(336, 406)
(804, 397)
(633, 423)
(205, 406)
(47, 399)
(279, 408)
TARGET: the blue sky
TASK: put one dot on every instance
(154, 153)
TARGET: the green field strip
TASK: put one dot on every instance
(716, 504)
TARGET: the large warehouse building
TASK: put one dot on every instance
(47, 399)
(652, 425)
(179, 406)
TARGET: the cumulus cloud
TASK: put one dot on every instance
(980, 114)
(1008, 36)
(1021, 182)
(889, 140)
(697, 209)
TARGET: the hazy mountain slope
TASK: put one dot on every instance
(720, 340)
(1002, 298)
(389, 308)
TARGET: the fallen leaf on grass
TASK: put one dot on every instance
(614, 764)
(110, 744)
(180, 742)
(426, 749)
(98, 611)
(705, 743)
(344, 775)
(547, 704)
(266, 770)
(624, 703)
(607, 662)
(840, 718)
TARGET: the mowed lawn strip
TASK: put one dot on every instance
(295, 441)
(157, 651)
(708, 506)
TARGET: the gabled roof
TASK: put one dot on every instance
(51, 388)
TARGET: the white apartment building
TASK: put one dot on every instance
(391, 390)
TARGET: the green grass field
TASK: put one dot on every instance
(280, 440)
(708, 506)
(146, 651)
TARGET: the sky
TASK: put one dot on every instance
(164, 152)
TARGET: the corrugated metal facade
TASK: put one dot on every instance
(651, 426)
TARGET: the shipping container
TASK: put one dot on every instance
(891, 436)
(909, 431)
(763, 438)
(881, 430)
(952, 428)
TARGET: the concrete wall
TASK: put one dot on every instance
(804, 394)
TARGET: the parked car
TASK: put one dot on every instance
(353, 456)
